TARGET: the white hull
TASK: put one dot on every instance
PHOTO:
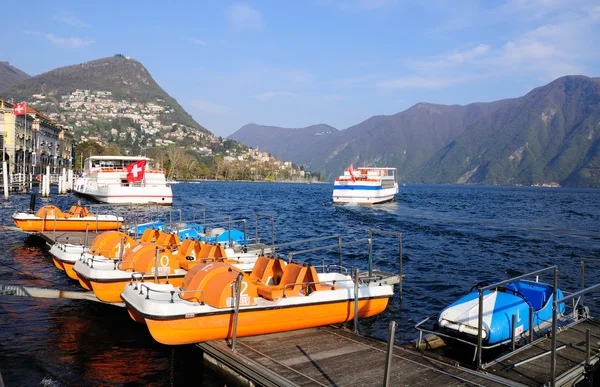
(130, 195)
(106, 180)
(67, 252)
(365, 186)
(359, 196)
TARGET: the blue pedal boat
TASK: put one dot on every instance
(517, 298)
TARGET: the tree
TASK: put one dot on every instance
(176, 157)
(86, 149)
(112, 150)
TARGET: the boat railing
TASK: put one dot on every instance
(333, 268)
(266, 216)
(304, 241)
(582, 274)
(171, 293)
(554, 349)
(482, 289)
(369, 241)
(531, 337)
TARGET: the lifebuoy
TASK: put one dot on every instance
(38, 177)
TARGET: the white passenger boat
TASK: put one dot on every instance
(123, 180)
(365, 185)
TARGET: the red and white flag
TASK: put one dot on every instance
(19, 109)
(351, 174)
(135, 171)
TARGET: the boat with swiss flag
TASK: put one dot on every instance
(366, 185)
(123, 180)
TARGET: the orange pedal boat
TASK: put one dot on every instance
(49, 218)
(165, 258)
(108, 244)
(275, 297)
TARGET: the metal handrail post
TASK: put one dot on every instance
(513, 325)
(531, 324)
(238, 288)
(356, 301)
(156, 265)
(87, 226)
(96, 221)
(554, 330)
(54, 234)
(555, 304)
(122, 248)
(480, 329)
(245, 238)
(229, 230)
(256, 226)
(400, 262)
(390, 352)
(582, 280)
(370, 247)
(272, 231)
(588, 346)
(340, 252)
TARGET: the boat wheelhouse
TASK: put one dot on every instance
(108, 180)
(365, 185)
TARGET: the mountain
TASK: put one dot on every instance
(552, 134)
(125, 78)
(406, 140)
(302, 145)
(10, 75)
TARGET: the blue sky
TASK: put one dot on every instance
(296, 63)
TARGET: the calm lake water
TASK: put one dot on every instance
(453, 237)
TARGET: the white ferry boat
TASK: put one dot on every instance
(365, 185)
(123, 180)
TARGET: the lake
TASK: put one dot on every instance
(453, 237)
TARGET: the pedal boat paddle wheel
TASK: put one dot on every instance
(275, 297)
(49, 218)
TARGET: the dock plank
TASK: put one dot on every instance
(537, 372)
(332, 356)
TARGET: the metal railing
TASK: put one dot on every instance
(555, 305)
(256, 216)
(500, 284)
(399, 236)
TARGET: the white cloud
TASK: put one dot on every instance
(242, 17)
(272, 94)
(67, 18)
(62, 42)
(198, 42)
(207, 107)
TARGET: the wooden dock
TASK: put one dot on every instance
(524, 367)
(332, 356)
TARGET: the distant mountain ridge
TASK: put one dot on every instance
(549, 135)
(124, 77)
(10, 75)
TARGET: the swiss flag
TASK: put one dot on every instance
(351, 174)
(135, 171)
(19, 109)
